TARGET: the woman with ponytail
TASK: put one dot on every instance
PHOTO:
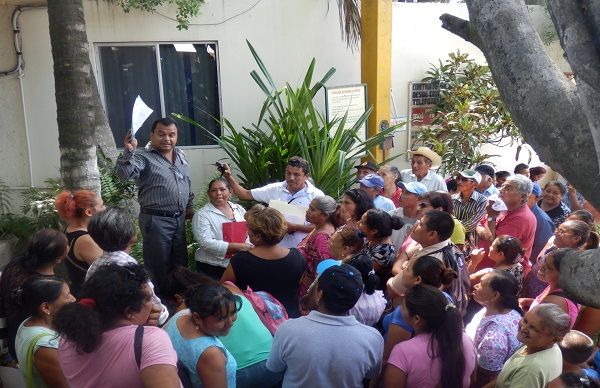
(422, 270)
(98, 344)
(46, 249)
(371, 304)
(36, 342)
(76, 208)
(440, 354)
(494, 328)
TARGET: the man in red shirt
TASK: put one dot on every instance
(518, 221)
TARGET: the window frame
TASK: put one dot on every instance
(100, 78)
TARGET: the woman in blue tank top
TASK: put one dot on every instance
(213, 310)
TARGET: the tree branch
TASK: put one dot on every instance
(591, 11)
(576, 39)
(544, 104)
(460, 27)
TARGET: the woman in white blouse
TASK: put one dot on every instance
(212, 256)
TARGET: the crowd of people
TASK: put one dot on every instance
(407, 280)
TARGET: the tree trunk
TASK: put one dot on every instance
(559, 119)
(102, 131)
(76, 102)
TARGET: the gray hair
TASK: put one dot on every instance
(325, 204)
(112, 229)
(524, 184)
(579, 229)
(557, 322)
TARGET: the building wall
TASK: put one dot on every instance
(287, 34)
(14, 156)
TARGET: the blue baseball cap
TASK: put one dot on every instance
(372, 180)
(416, 188)
(325, 264)
(537, 190)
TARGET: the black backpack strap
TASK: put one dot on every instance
(137, 344)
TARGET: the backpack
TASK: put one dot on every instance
(270, 311)
(460, 288)
(184, 377)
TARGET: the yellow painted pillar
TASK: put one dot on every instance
(376, 63)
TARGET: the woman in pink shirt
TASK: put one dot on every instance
(98, 345)
(440, 354)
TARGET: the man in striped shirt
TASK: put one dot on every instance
(162, 175)
(469, 205)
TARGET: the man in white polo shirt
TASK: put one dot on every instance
(295, 190)
(422, 161)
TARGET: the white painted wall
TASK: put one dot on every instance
(418, 41)
(286, 33)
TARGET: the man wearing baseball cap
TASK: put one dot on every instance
(469, 205)
(409, 206)
(365, 168)
(423, 160)
(372, 184)
(328, 347)
(486, 186)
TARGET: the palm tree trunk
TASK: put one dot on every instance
(74, 88)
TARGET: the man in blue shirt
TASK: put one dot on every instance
(545, 226)
(372, 185)
(328, 347)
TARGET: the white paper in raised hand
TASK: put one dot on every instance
(139, 114)
(292, 213)
(498, 205)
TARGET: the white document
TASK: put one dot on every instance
(139, 114)
(293, 213)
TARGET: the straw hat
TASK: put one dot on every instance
(436, 160)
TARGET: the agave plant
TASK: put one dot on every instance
(289, 124)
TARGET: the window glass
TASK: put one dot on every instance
(129, 71)
(190, 86)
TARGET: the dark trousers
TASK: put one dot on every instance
(213, 271)
(164, 247)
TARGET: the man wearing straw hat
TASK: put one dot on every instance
(423, 160)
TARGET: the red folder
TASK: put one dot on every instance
(236, 232)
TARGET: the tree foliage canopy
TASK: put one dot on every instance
(185, 8)
(468, 114)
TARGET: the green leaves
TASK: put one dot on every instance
(289, 124)
(185, 8)
(470, 113)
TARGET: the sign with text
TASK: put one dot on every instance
(350, 100)
(422, 96)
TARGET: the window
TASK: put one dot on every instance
(170, 78)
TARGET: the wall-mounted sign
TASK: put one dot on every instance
(350, 100)
(423, 96)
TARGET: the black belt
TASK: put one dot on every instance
(161, 213)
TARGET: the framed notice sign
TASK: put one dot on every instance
(350, 100)
(422, 96)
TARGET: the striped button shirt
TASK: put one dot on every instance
(161, 185)
(471, 212)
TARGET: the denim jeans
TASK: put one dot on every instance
(257, 376)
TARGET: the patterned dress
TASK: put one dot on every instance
(315, 249)
(495, 338)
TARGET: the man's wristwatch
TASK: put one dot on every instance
(491, 219)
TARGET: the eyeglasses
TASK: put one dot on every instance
(560, 232)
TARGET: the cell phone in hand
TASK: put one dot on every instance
(220, 167)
